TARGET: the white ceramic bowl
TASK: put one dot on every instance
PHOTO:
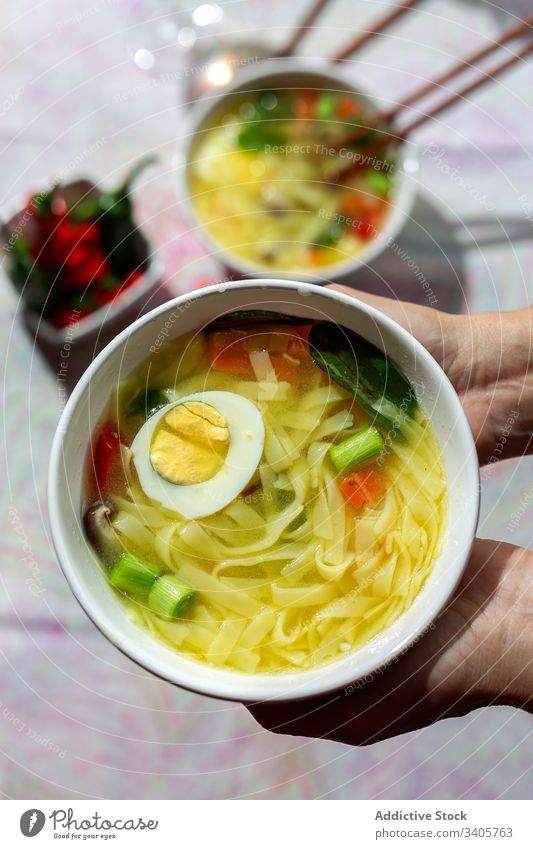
(180, 316)
(291, 73)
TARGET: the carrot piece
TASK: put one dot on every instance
(285, 370)
(362, 487)
(359, 203)
(302, 332)
(315, 257)
(347, 108)
(366, 228)
(226, 353)
(304, 106)
(298, 346)
(297, 349)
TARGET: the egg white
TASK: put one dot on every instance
(246, 441)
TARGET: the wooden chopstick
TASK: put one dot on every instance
(360, 40)
(388, 116)
(404, 133)
(463, 65)
(378, 28)
(301, 29)
(385, 119)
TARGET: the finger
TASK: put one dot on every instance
(436, 330)
(411, 316)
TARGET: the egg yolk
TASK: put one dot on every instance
(190, 443)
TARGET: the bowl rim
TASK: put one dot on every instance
(406, 170)
(234, 685)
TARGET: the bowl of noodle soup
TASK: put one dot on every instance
(236, 517)
(258, 173)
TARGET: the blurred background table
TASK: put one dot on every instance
(77, 719)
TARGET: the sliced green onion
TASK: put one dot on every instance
(168, 597)
(134, 576)
(378, 182)
(330, 236)
(326, 106)
(359, 449)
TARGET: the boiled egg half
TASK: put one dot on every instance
(197, 454)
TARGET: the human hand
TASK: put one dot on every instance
(478, 652)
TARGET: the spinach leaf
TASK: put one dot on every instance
(243, 317)
(271, 104)
(147, 402)
(362, 369)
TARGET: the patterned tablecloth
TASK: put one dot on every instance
(77, 719)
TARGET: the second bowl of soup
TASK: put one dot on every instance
(262, 174)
